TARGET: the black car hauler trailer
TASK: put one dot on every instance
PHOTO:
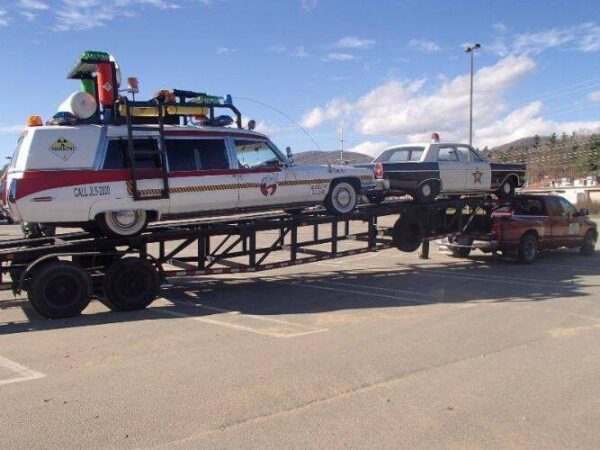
(62, 273)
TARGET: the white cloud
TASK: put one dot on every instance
(500, 27)
(300, 52)
(339, 57)
(309, 5)
(28, 15)
(11, 129)
(584, 37)
(406, 111)
(4, 21)
(226, 50)
(594, 96)
(353, 42)
(86, 14)
(32, 4)
(371, 148)
(424, 45)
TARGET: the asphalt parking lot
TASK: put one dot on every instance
(381, 350)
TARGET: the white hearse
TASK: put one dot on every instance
(130, 163)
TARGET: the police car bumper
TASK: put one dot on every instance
(376, 186)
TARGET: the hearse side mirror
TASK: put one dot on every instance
(288, 152)
(584, 212)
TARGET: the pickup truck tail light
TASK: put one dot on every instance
(378, 170)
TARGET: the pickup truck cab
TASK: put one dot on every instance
(532, 222)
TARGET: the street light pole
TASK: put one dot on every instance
(471, 49)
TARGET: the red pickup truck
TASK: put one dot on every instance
(531, 223)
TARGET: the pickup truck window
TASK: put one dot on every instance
(529, 207)
(559, 207)
(447, 154)
(568, 208)
(196, 154)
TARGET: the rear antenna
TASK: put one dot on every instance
(342, 144)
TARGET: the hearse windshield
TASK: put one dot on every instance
(257, 154)
(403, 154)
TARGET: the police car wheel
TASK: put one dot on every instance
(130, 284)
(60, 289)
(342, 198)
(427, 192)
(122, 223)
(507, 190)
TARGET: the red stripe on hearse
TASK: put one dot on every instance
(40, 180)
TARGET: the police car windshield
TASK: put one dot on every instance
(403, 154)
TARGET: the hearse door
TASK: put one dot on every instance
(264, 179)
(478, 175)
(200, 176)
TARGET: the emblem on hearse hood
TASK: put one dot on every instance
(63, 148)
(268, 185)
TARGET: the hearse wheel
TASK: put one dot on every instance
(589, 243)
(130, 284)
(528, 249)
(60, 289)
(342, 198)
(408, 233)
(506, 190)
(122, 223)
(427, 192)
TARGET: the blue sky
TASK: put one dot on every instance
(389, 71)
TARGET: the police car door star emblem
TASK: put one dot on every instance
(63, 148)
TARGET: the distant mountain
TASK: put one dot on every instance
(525, 142)
(320, 157)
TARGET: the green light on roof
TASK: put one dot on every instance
(92, 55)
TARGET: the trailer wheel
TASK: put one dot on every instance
(506, 190)
(528, 249)
(122, 223)
(408, 233)
(60, 289)
(460, 252)
(131, 284)
(342, 198)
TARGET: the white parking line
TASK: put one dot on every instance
(23, 373)
(279, 329)
(377, 288)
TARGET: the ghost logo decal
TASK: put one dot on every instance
(477, 177)
(63, 148)
(268, 185)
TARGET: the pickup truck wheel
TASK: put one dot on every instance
(342, 198)
(426, 192)
(131, 284)
(60, 289)
(506, 190)
(589, 244)
(528, 249)
(122, 223)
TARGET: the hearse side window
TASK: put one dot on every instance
(447, 154)
(256, 154)
(196, 154)
(117, 154)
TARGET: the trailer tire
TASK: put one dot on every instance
(342, 198)
(408, 234)
(60, 289)
(116, 224)
(426, 192)
(506, 191)
(459, 252)
(131, 284)
(528, 249)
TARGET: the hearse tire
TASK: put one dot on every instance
(60, 289)
(589, 243)
(408, 234)
(116, 224)
(130, 284)
(506, 191)
(426, 192)
(342, 198)
(528, 249)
